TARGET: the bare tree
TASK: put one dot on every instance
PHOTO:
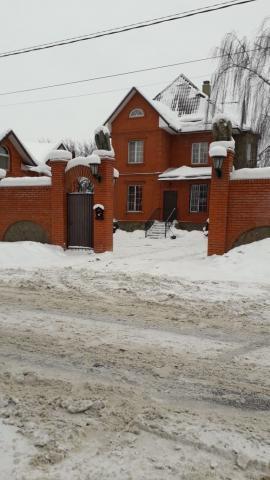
(243, 75)
(79, 148)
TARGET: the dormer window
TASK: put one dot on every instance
(4, 158)
(136, 113)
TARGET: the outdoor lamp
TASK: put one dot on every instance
(217, 163)
(94, 170)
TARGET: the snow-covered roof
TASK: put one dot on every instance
(182, 107)
(32, 153)
(185, 99)
(39, 151)
(186, 173)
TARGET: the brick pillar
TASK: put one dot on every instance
(59, 203)
(218, 208)
(104, 194)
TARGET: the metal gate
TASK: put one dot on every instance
(80, 219)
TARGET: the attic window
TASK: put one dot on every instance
(136, 113)
(4, 158)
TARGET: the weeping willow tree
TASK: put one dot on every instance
(243, 77)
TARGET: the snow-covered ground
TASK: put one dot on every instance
(148, 363)
(183, 258)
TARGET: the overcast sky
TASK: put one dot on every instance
(28, 22)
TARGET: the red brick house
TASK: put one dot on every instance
(161, 149)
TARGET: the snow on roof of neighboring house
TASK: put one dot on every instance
(33, 153)
(39, 151)
(186, 173)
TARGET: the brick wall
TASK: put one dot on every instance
(25, 204)
(236, 207)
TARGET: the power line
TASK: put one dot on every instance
(126, 28)
(121, 74)
(67, 97)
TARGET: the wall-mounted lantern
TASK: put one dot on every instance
(94, 170)
(217, 163)
(218, 153)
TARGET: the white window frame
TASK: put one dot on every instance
(136, 113)
(199, 154)
(138, 152)
(4, 153)
(138, 191)
(198, 198)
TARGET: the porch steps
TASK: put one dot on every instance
(157, 230)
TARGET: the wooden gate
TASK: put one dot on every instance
(80, 220)
(169, 203)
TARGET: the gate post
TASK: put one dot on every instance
(104, 195)
(218, 207)
(58, 160)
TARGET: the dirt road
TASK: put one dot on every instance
(100, 383)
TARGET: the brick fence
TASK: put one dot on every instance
(46, 206)
(239, 210)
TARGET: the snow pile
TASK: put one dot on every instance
(25, 182)
(42, 169)
(62, 155)
(105, 153)
(186, 173)
(221, 146)
(250, 173)
(102, 129)
(92, 159)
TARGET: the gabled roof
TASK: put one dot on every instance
(170, 119)
(25, 154)
(171, 123)
(32, 153)
(181, 106)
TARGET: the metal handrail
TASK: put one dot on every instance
(154, 215)
(167, 222)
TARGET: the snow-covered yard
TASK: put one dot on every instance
(183, 258)
(148, 363)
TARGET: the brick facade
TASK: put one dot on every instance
(236, 207)
(161, 151)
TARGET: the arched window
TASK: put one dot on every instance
(4, 158)
(136, 113)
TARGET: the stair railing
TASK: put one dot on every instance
(168, 222)
(155, 215)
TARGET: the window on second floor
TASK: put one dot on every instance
(134, 200)
(4, 159)
(136, 113)
(135, 151)
(199, 198)
(199, 153)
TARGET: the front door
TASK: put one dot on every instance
(169, 205)
(80, 219)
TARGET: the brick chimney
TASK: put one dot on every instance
(206, 87)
